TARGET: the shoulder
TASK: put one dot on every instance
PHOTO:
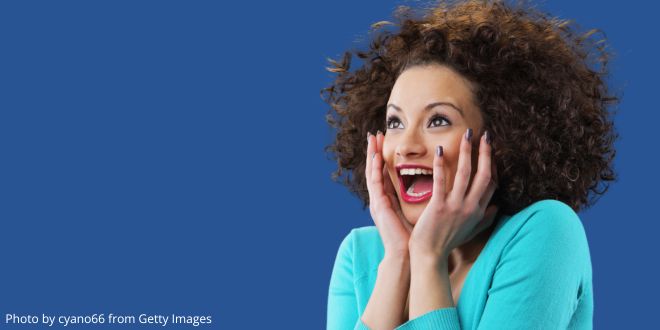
(538, 271)
(553, 218)
(362, 236)
(364, 247)
(366, 235)
(552, 209)
(547, 230)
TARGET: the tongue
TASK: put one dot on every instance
(422, 183)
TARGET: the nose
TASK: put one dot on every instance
(410, 146)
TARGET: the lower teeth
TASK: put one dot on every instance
(410, 191)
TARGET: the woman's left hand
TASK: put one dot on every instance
(452, 218)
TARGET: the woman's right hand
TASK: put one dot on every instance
(384, 206)
(386, 308)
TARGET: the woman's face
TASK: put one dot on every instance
(429, 105)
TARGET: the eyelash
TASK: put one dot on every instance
(392, 119)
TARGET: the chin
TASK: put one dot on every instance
(412, 212)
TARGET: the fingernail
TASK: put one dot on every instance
(468, 134)
(438, 151)
(379, 132)
(489, 138)
(368, 136)
(373, 155)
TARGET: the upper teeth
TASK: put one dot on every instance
(414, 171)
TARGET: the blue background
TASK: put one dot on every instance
(167, 157)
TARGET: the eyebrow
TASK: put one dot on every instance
(430, 106)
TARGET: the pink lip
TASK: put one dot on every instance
(407, 198)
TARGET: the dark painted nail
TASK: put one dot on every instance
(438, 150)
(489, 138)
(468, 134)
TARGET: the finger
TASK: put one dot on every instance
(388, 187)
(370, 150)
(377, 164)
(464, 169)
(379, 141)
(484, 175)
(488, 194)
(438, 194)
(377, 174)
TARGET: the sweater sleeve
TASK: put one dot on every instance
(440, 319)
(538, 280)
(342, 302)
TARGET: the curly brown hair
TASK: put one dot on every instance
(540, 87)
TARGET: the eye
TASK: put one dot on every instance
(393, 122)
(438, 120)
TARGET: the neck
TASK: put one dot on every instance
(467, 253)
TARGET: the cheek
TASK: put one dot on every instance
(388, 151)
(388, 157)
(451, 153)
(451, 164)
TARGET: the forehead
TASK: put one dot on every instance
(421, 85)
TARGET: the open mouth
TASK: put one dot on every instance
(415, 183)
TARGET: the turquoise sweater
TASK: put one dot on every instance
(533, 273)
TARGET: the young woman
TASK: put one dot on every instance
(474, 133)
